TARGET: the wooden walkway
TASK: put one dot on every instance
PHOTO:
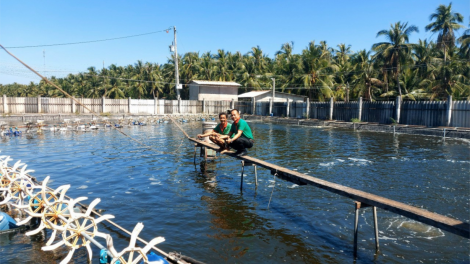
(443, 222)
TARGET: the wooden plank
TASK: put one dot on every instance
(443, 222)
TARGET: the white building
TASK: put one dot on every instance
(266, 96)
(213, 91)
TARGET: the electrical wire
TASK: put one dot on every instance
(89, 41)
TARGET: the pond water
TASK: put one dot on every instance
(202, 213)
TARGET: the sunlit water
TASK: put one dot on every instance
(203, 214)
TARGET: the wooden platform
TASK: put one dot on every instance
(443, 222)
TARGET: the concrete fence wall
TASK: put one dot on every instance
(424, 113)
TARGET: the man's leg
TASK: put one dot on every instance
(241, 144)
(219, 142)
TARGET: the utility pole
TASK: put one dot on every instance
(347, 92)
(44, 56)
(177, 76)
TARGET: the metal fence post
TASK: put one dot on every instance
(449, 109)
(155, 106)
(308, 108)
(5, 105)
(103, 104)
(270, 106)
(360, 109)
(332, 104)
(288, 108)
(179, 105)
(398, 108)
(253, 110)
(129, 105)
(39, 104)
(73, 105)
(203, 105)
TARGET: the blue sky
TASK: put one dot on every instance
(202, 26)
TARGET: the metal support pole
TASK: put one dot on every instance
(195, 149)
(256, 175)
(241, 182)
(376, 228)
(356, 220)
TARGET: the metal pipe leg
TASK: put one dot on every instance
(356, 220)
(241, 182)
(376, 228)
(195, 149)
(256, 176)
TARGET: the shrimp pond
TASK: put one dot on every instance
(202, 213)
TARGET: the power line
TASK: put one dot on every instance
(89, 41)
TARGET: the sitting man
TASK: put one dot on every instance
(240, 136)
(219, 134)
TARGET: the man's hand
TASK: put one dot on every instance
(199, 136)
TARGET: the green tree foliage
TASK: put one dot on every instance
(424, 70)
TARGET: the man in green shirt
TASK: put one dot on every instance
(219, 134)
(240, 136)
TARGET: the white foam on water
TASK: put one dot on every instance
(90, 192)
(128, 192)
(329, 164)
(340, 160)
(155, 183)
(271, 180)
(271, 186)
(82, 187)
(293, 186)
(152, 179)
(386, 238)
(359, 160)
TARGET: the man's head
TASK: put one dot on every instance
(223, 118)
(235, 115)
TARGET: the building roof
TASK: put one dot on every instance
(215, 83)
(252, 94)
(256, 93)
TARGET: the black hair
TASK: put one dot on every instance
(238, 112)
(225, 114)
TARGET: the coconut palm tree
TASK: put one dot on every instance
(446, 22)
(398, 49)
(318, 72)
(464, 41)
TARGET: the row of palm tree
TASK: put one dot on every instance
(424, 70)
